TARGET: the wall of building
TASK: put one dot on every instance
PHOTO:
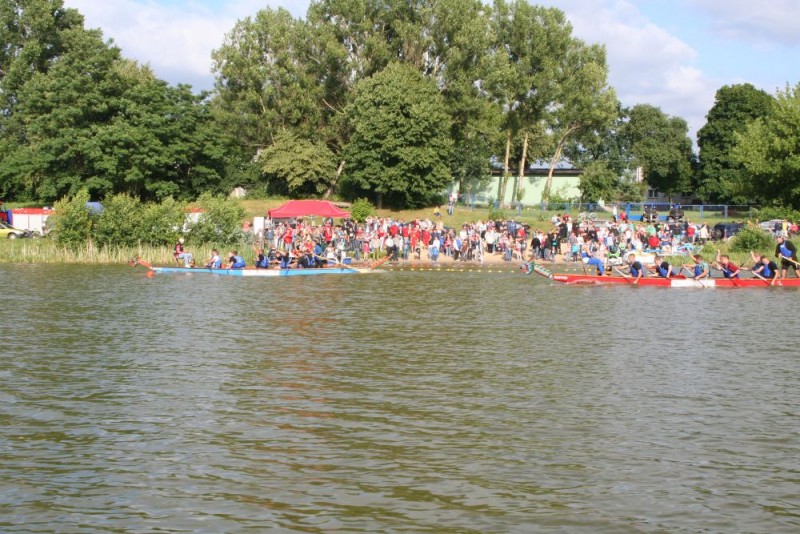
(564, 185)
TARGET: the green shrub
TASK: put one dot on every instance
(120, 222)
(161, 223)
(769, 213)
(71, 223)
(751, 239)
(220, 223)
(361, 209)
(496, 214)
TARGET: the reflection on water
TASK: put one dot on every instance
(467, 402)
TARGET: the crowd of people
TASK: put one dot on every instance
(595, 243)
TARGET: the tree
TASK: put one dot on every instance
(597, 182)
(400, 149)
(86, 118)
(661, 146)
(769, 151)
(531, 43)
(298, 167)
(585, 103)
(720, 177)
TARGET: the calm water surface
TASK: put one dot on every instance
(405, 401)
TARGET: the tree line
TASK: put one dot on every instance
(389, 100)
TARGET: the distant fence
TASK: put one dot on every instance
(633, 209)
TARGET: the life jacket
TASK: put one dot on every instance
(634, 271)
(785, 250)
(238, 262)
(700, 268)
(663, 271)
(766, 272)
(262, 263)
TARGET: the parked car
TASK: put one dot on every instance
(775, 226)
(9, 232)
(725, 230)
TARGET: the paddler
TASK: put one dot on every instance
(786, 251)
(662, 268)
(635, 268)
(181, 254)
(723, 263)
(235, 261)
(766, 270)
(700, 267)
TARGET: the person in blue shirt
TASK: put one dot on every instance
(699, 269)
(235, 261)
(635, 268)
(662, 268)
(786, 251)
(766, 270)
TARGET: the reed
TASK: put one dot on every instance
(47, 251)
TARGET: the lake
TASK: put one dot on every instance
(401, 401)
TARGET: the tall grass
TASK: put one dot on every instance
(47, 251)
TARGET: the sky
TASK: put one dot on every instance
(673, 54)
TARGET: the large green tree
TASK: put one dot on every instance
(86, 118)
(661, 146)
(769, 151)
(400, 146)
(720, 176)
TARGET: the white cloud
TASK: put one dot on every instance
(647, 64)
(176, 39)
(776, 22)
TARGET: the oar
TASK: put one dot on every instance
(697, 282)
(380, 262)
(789, 259)
(625, 276)
(755, 274)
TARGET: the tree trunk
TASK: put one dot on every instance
(522, 167)
(339, 170)
(556, 158)
(501, 193)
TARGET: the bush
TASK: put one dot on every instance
(71, 223)
(120, 223)
(751, 239)
(361, 209)
(220, 223)
(769, 213)
(496, 214)
(162, 222)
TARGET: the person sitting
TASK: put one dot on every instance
(214, 262)
(235, 261)
(181, 254)
(262, 261)
(767, 270)
(662, 268)
(723, 263)
(699, 268)
(635, 268)
(284, 259)
(590, 258)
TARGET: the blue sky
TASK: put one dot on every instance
(673, 54)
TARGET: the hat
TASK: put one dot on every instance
(180, 241)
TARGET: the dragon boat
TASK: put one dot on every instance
(674, 281)
(253, 272)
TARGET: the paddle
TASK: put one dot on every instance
(755, 274)
(625, 276)
(697, 282)
(789, 259)
(380, 262)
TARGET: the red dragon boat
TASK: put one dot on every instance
(675, 281)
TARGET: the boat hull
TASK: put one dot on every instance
(262, 273)
(676, 282)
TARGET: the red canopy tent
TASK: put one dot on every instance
(304, 208)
